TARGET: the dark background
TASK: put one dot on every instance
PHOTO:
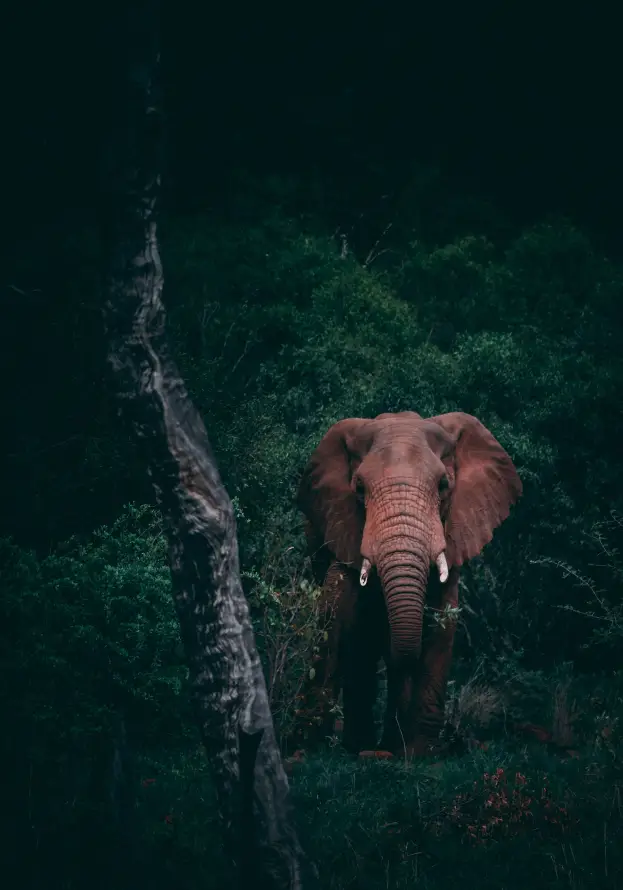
(522, 106)
(515, 108)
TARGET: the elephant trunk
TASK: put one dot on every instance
(403, 556)
(403, 571)
(402, 536)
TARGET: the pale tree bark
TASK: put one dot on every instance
(226, 676)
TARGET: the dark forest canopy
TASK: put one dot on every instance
(517, 105)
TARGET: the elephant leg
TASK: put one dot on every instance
(434, 667)
(399, 721)
(361, 649)
(390, 739)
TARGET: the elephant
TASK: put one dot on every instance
(384, 500)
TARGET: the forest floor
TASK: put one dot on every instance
(513, 815)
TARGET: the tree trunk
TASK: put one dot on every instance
(226, 676)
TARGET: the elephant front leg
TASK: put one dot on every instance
(355, 624)
(361, 643)
(359, 696)
(399, 721)
(434, 668)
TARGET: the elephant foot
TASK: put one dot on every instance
(420, 746)
(425, 746)
(377, 754)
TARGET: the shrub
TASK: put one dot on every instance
(290, 635)
(499, 806)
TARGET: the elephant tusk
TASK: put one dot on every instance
(442, 565)
(365, 568)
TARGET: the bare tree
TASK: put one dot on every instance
(226, 676)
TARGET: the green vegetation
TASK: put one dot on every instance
(281, 330)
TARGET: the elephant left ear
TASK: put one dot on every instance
(486, 486)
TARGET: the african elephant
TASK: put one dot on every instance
(384, 500)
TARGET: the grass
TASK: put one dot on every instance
(513, 816)
(516, 812)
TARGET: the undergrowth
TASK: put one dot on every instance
(93, 682)
(511, 817)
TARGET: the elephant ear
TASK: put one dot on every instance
(486, 485)
(325, 494)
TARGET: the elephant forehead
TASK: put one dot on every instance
(400, 459)
(408, 435)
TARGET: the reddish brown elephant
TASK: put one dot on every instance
(386, 499)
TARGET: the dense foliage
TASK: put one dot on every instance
(281, 330)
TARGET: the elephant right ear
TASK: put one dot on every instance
(325, 494)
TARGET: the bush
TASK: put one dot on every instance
(289, 633)
(90, 665)
(92, 630)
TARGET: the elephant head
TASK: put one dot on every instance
(401, 493)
